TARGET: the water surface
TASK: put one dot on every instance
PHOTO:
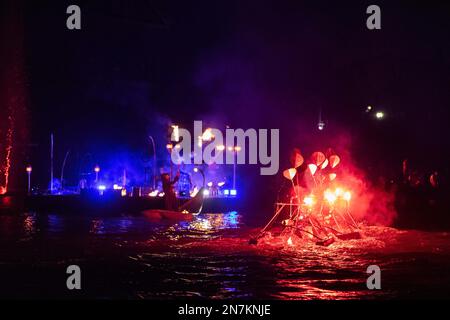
(137, 258)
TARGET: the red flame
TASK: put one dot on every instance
(7, 162)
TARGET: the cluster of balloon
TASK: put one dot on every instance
(317, 163)
(322, 213)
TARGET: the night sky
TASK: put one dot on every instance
(136, 66)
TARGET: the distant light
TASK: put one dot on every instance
(233, 192)
(169, 146)
(368, 109)
(226, 192)
(154, 193)
(379, 115)
(220, 184)
(102, 187)
(97, 169)
(206, 193)
(237, 148)
(29, 169)
(161, 195)
(178, 146)
(117, 187)
(123, 193)
(195, 169)
(210, 184)
(220, 148)
(321, 125)
(199, 141)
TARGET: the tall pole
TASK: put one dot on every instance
(29, 169)
(51, 163)
(154, 162)
(236, 149)
(234, 169)
(62, 169)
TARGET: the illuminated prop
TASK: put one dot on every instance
(319, 212)
(334, 161)
(298, 160)
(324, 164)
(312, 168)
(289, 173)
(318, 158)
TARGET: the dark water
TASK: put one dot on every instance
(134, 257)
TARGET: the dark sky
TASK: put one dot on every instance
(262, 64)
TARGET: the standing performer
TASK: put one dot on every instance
(170, 197)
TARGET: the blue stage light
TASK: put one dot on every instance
(233, 192)
(226, 192)
(102, 187)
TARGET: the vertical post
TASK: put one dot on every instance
(236, 149)
(51, 163)
(62, 169)
(234, 170)
(29, 169)
(154, 162)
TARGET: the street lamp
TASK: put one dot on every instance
(321, 125)
(96, 170)
(379, 115)
(29, 169)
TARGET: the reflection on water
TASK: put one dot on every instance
(29, 225)
(133, 257)
(206, 226)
